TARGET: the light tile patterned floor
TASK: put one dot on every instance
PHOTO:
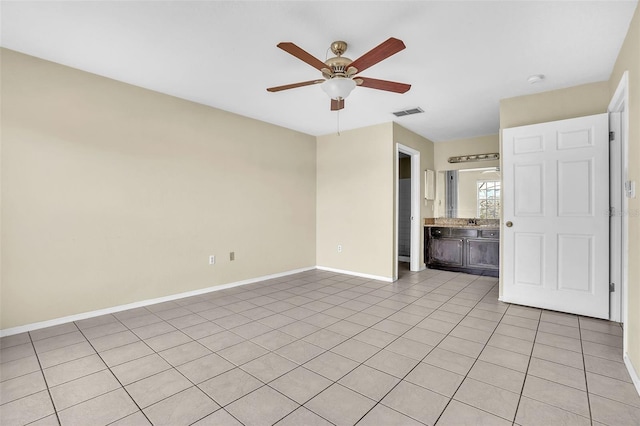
(319, 348)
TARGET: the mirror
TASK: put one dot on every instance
(468, 193)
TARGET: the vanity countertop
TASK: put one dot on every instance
(444, 222)
(467, 226)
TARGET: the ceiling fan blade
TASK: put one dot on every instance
(389, 86)
(294, 85)
(378, 53)
(337, 104)
(302, 55)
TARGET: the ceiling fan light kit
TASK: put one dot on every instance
(339, 72)
(338, 87)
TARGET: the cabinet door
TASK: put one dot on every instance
(446, 251)
(483, 254)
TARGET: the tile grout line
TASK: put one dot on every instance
(46, 383)
(240, 365)
(339, 319)
(155, 374)
(308, 289)
(329, 350)
(474, 363)
(567, 366)
(118, 320)
(325, 350)
(380, 349)
(273, 351)
(171, 365)
(333, 382)
(414, 367)
(526, 373)
(115, 377)
(584, 366)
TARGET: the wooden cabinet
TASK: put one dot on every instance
(475, 251)
(447, 251)
(483, 253)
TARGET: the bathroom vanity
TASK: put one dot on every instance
(473, 248)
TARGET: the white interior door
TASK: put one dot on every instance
(556, 215)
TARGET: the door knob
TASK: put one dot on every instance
(509, 224)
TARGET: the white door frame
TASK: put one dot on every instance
(619, 106)
(415, 208)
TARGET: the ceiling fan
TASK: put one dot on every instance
(341, 73)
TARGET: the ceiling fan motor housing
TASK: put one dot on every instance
(338, 66)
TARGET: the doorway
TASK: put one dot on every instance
(413, 223)
(404, 207)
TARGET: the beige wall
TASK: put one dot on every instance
(478, 145)
(572, 102)
(356, 185)
(355, 200)
(113, 194)
(629, 60)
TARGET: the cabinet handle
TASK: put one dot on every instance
(509, 224)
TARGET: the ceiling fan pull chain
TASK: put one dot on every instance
(338, 120)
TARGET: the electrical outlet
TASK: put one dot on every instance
(232, 255)
(212, 260)
(339, 248)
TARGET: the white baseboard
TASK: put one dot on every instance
(355, 274)
(632, 372)
(120, 308)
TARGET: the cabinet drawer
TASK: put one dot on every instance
(462, 232)
(490, 233)
(439, 232)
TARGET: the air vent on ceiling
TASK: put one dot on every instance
(411, 111)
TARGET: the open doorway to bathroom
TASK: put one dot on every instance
(404, 208)
(409, 222)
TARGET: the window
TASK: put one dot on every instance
(489, 199)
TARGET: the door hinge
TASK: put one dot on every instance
(612, 287)
(612, 211)
(612, 136)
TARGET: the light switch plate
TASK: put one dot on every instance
(630, 189)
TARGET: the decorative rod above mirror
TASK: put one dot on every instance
(474, 157)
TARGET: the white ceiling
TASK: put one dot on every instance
(461, 57)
